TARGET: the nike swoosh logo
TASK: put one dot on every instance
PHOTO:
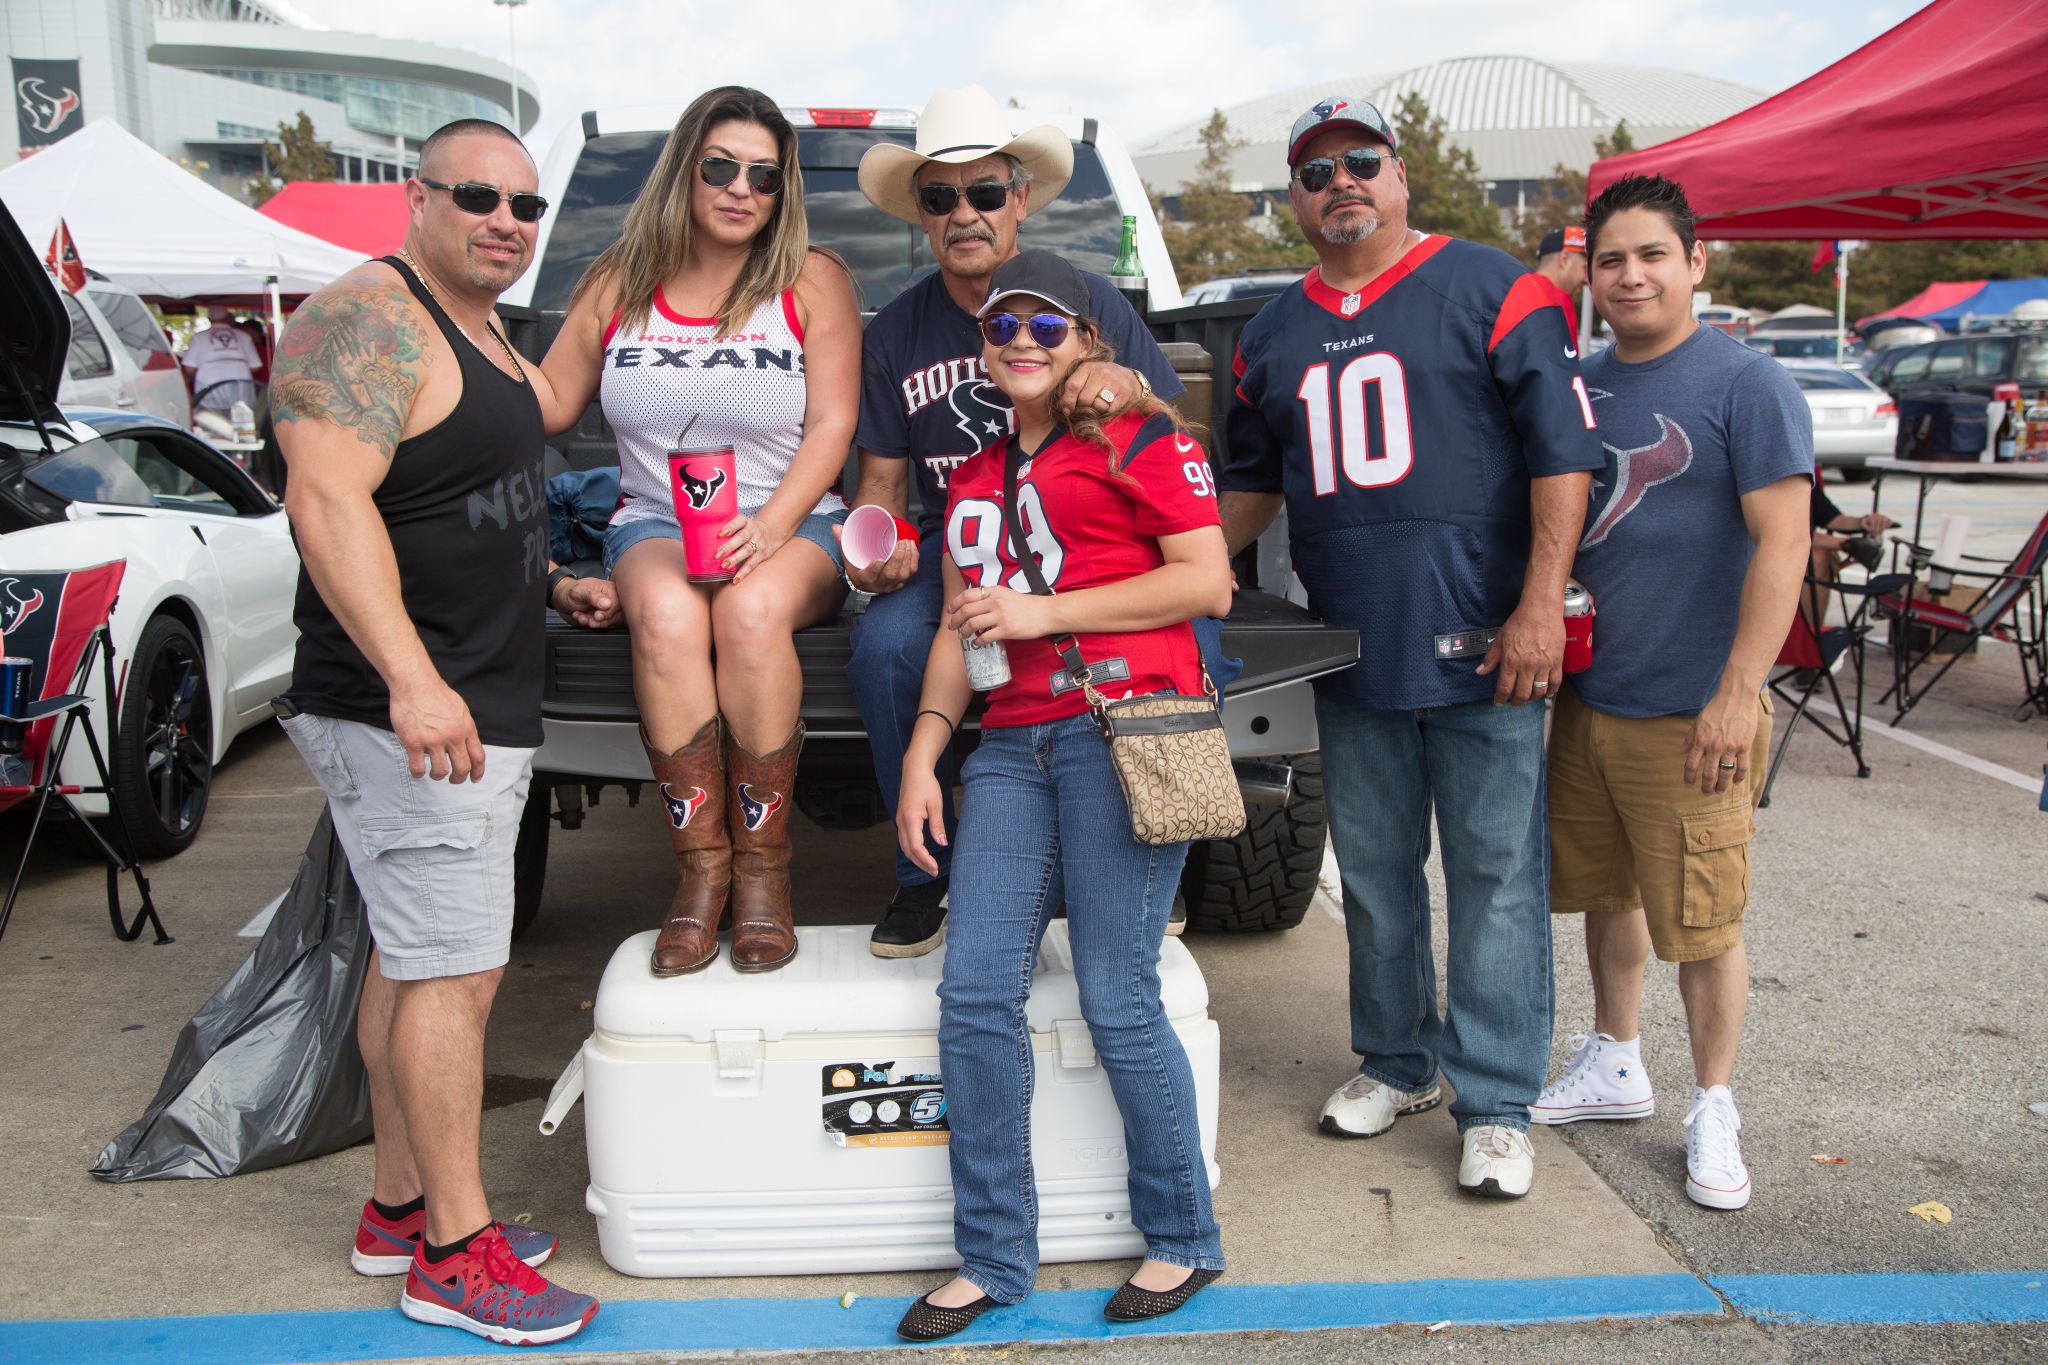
(408, 1243)
(1570, 354)
(450, 1294)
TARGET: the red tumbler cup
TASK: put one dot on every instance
(707, 497)
(1578, 628)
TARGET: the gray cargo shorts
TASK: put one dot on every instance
(432, 859)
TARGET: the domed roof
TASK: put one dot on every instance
(1517, 115)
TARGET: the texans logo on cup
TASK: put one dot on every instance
(700, 492)
(754, 813)
(680, 810)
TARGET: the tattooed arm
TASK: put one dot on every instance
(349, 369)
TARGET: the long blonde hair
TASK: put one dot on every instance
(659, 232)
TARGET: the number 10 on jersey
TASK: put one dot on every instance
(1345, 441)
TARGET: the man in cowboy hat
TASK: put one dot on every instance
(926, 405)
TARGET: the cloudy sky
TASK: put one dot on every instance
(1137, 65)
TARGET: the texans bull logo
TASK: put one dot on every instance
(17, 603)
(680, 809)
(980, 411)
(1329, 109)
(44, 110)
(755, 812)
(700, 492)
(1639, 470)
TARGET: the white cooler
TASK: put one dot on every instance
(793, 1122)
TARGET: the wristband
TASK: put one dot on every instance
(556, 578)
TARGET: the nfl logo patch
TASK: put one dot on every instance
(1349, 308)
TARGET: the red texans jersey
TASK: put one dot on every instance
(1088, 525)
(1403, 424)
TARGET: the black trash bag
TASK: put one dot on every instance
(267, 1072)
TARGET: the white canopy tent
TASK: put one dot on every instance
(146, 222)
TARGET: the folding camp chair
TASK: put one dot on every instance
(1814, 656)
(58, 622)
(2013, 607)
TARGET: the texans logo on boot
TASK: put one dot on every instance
(681, 809)
(755, 813)
(700, 492)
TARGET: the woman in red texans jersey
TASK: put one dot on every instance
(1121, 519)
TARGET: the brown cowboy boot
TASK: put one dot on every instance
(763, 937)
(692, 787)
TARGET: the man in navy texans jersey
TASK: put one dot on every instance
(1415, 403)
(926, 405)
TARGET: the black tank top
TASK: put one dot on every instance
(466, 508)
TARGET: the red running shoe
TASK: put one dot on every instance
(487, 1290)
(384, 1247)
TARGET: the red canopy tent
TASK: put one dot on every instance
(1936, 129)
(366, 218)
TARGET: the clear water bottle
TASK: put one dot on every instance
(242, 418)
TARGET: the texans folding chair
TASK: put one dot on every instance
(2013, 607)
(1812, 657)
(58, 621)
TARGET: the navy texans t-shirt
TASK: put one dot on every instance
(925, 394)
(1404, 423)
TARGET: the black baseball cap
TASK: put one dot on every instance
(1334, 109)
(1042, 275)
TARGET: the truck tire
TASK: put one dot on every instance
(1265, 878)
(530, 857)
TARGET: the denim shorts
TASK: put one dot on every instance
(432, 859)
(622, 536)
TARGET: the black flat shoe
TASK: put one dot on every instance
(1132, 1304)
(926, 1321)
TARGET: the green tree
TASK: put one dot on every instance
(1562, 200)
(1446, 193)
(1216, 232)
(296, 155)
(1774, 275)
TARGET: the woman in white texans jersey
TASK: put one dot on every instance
(712, 310)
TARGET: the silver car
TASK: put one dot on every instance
(1853, 419)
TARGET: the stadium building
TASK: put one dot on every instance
(1519, 117)
(206, 81)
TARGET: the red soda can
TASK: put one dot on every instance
(707, 496)
(1578, 627)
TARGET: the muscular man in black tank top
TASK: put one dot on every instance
(413, 439)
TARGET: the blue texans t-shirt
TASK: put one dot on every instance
(1404, 423)
(925, 394)
(1665, 548)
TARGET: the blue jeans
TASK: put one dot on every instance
(1044, 819)
(891, 641)
(1480, 768)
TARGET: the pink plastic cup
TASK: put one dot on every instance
(869, 536)
(707, 497)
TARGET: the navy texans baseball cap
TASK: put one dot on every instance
(1336, 109)
(1563, 239)
(1042, 275)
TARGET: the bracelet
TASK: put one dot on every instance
(1144, 384)
(556, 578)
(951, 725)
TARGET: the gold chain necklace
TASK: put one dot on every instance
(435, 295)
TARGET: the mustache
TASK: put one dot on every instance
(973, 233)
(1338, 200)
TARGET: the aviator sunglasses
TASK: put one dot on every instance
(1047, 329)
(983, 196)
(482, 200)
(1360, 163)
(765, 177)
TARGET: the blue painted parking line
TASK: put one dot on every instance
(1964, 1296)
(766, 1325)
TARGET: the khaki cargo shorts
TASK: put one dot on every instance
(1626, 832)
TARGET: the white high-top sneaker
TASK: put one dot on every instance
(1715, 1177)
(1605, 1080)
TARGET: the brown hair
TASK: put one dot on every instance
(656, 240)
(1087, 423)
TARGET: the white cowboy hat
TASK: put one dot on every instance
(958, 126)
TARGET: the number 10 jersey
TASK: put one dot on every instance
(1403, 423)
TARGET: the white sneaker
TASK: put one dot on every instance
(1604, 1081)
(1498, 1162)
(1363, 1107)
(1715, 1177)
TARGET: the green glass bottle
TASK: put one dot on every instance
(1128, 274)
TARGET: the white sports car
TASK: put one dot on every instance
(202, 632)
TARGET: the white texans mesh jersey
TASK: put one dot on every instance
(746, 390)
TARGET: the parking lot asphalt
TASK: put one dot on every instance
(1898, 951)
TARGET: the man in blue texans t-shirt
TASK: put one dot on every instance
(1416, 404)
(926, 405)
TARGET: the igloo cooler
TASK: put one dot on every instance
(793, 1122)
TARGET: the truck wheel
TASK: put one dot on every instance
(530, 858)
(1265, 878)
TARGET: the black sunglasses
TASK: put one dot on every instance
(983, 196)
(482, 200)
(1360, 163)
(765, 177)
(1047, 329)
